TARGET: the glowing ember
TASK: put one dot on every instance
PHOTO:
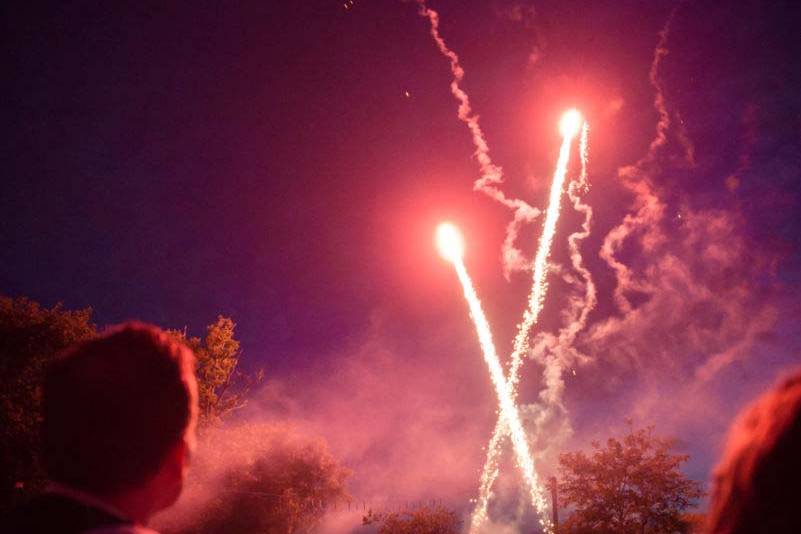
(570, 123)
(449, 242)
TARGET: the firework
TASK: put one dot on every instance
(569, 126)
(451, 247)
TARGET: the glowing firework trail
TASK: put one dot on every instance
(488, 476)
(491, 174)
(451, 247)
(583, 149)
(491, 177)
(562, 352)
(569, 127)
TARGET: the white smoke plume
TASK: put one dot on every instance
(694, 288)
(649, 209)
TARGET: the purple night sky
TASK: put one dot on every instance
(286, 164)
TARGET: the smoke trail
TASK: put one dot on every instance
(649, 208)
(580, 308)
(491, 174)
(505, 393)
(530, 315)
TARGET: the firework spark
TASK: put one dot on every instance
(569, 126)
(451, 247)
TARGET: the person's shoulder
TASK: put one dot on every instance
(55, 513)
(122, 529)
(38, 514)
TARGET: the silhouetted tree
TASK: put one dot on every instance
(423, 520)
(221, 387)
(632, 485)
(30, 336)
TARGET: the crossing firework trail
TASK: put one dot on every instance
(570, 125)
(557, 352)
(449, 241)
(491, 177)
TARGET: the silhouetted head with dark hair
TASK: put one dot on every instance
(757, 482)
(118, 429)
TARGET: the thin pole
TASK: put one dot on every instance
(555, 505)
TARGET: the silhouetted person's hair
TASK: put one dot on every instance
(114, 406)
(757, 482)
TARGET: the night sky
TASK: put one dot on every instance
(286, 164)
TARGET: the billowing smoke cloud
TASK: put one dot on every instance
(697, 284)
(700, 301)
(240, 473)
(409, 420)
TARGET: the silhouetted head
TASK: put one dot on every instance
(119, 417)
(757, 482)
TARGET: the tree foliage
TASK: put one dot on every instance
(221, 387)
(423, 520)
(259, 478)
(265, 478)
(30, 336)
(632, 485)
